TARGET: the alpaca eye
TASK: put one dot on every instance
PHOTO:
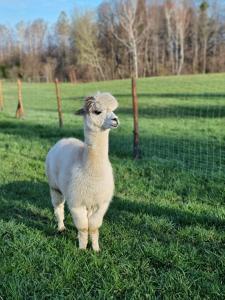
(97, 112)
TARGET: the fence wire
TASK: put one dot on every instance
(186, 129)
(181, 121)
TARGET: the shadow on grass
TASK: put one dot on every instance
(29, 203)
(158, 95)
(202, 96)
(120, 146)
(27, 130)
(204, 155)
(178, 217)
(23, 202)
(179, 112)
(162, 111)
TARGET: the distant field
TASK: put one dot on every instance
(164, 234)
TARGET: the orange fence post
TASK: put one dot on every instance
(19, 111)
(59, 102)
(136, 150)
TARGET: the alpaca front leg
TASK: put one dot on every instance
(58, 204)
(80, 219)
(94, 223)
(94, 235)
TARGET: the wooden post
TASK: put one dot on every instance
(19, 111)
(135, 116)
(59, 102)
(1, 97)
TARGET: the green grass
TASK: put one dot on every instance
(163, 236)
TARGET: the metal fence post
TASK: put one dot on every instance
(136, 149)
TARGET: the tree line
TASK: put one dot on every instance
(119, 39)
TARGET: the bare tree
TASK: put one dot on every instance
(127, 27)
(85, 39)
(49, 69)
(110, 47)
(182, 22)
(194, 40)
(6, 43)
(203, 32)
(21, 29)
(62, 33)
(169, 8)
(126, 37)
(177, 21)
(33, 47)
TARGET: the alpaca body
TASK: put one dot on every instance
(80, 173)
(82, 180)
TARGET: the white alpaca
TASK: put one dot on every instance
(81, 174)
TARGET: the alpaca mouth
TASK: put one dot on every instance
(115, 124)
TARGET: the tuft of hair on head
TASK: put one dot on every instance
(89, 103)
(88, 106)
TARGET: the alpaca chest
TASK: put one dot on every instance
(92, 189)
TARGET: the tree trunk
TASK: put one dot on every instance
(204, 55)
(181, 59)
(134, 58)
(170, 40)
(195, 53)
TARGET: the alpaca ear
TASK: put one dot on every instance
(80, 112)
(89, 103)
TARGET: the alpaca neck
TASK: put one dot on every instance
(97, 146)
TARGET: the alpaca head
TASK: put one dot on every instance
(98, 112)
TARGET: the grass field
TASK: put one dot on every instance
(164, 234)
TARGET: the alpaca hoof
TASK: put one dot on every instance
(96, 249)
(83, 248)
(61, 229)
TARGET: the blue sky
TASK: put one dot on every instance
(13, 11)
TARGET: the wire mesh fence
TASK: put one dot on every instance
(186, 129)
(181, 120)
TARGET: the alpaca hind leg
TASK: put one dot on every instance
(58, 204)
(80, 219)
(94, 223)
